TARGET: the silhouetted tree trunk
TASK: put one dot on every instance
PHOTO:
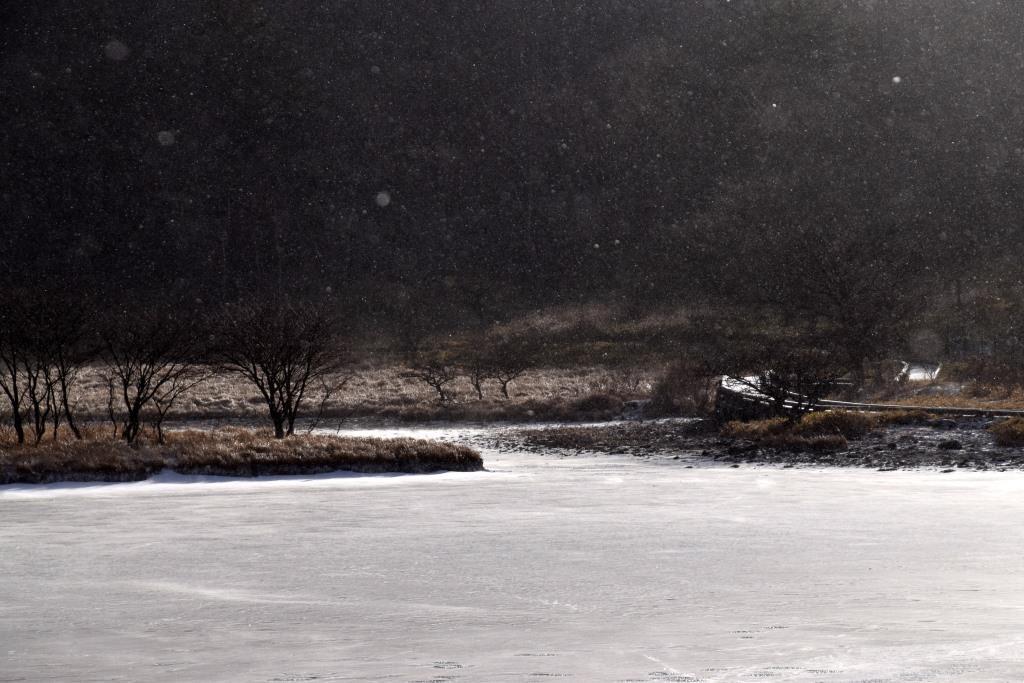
(149, 356)
(281, 348)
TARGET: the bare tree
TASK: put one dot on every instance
(58, 348)
(283, 349)
(793, 370)
(510, 357)
(436, 370)
(29, 345)
(42, 348)
(475, 364)
(70, 350)
(13, 354)
(327, 390)
(38, 392)
(149, 357)
(177, 385)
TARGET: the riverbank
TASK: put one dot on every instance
(230, 452)
(933, 443)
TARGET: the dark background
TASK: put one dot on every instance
(480, 159)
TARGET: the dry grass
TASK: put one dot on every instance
(903, 417)
(823, 431)
(78, 461)
(227, 452)
(376, 391)
(971, 394)
(849, 424)
(1009, 432)
(242, 452)
(845, 423)
(1007, 402)
(756, 430)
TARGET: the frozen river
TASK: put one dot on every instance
(594, 568)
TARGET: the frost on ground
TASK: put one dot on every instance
(595, 568)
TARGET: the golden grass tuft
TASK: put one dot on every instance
(847, 423)
(903, 417)
(823, 431)
(756, 430)
(1009, 432)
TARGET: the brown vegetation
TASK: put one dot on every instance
(784, 434)
(1009, 432)
(228, 452)
(903, 417)
(756, 430)
(385, 390)
(685, 388)
(989, 398)
(846, 423)
(820, 431)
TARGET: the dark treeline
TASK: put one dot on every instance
(470, 160)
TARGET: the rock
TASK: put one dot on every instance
(943, 423)
(948, 471)
(950, 445)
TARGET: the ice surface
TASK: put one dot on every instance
(595, 568)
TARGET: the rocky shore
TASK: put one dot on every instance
(943, 444)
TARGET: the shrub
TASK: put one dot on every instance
(756, 430)
(903, 417)
(782, 434)
(683, 390)
(1009, 432)
(604, 404)
(849, 424)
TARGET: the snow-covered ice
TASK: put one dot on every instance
(594, 568)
